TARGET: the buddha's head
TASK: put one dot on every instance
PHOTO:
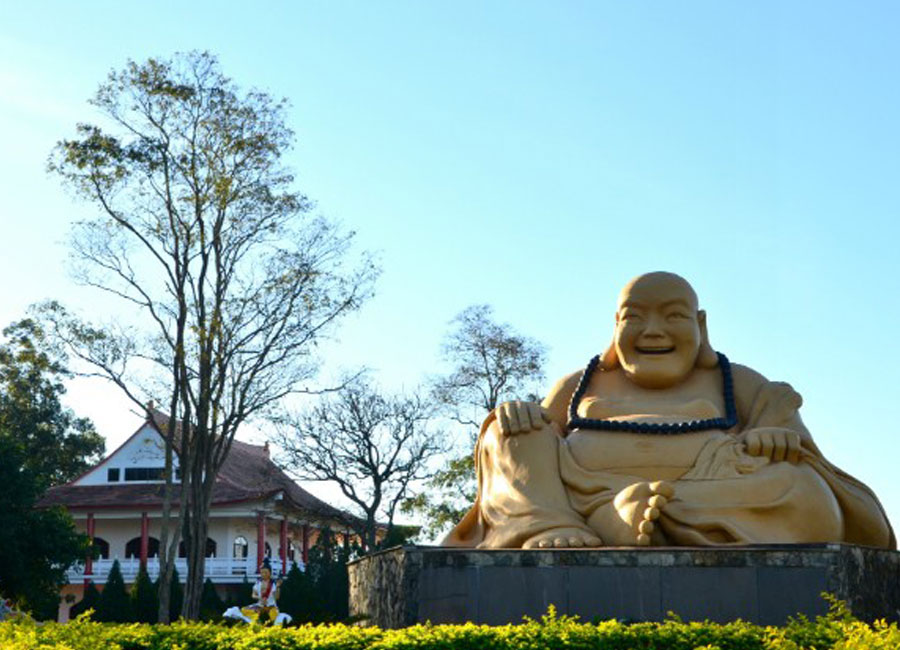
(660, 332)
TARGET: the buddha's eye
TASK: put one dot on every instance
(630, 315)
(677, 315)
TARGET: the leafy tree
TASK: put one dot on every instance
(492, 363)
(90, 600)
(37, 545)
(211, 604)
(144, 600)
(201, 235)
(56, 445)
(114, 605)
(374, 447)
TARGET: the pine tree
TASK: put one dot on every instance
(328, 572)
(176, 596)
(298, 596)
(211, 605)
(114, 605)
(144, 601)
(243, 596)
(91, 600)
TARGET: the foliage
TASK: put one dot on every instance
(491, 363)
(56, 445)
(550, 631)
(114, 605)
(201, 236)
(38, 545)
(144, 599)
(374, 447)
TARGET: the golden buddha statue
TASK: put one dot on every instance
(661, 441)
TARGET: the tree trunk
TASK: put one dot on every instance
(196, 533)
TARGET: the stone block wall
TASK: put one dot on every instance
(764, 584)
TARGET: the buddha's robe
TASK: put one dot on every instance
(537, 481)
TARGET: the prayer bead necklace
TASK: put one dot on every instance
(730, 419)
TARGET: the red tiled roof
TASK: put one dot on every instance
(248, 474)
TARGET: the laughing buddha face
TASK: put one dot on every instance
(659, 330)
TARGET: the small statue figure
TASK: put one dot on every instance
(265, 610)
(661, 441)
(7, 610)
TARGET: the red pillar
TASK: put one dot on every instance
(305, 544)
(260, 539)
(89, 562)
(283, 541)
(145, 541)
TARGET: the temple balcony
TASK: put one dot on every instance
(219, 570)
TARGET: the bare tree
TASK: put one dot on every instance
(491, 363)
(201, 235)
(374, 447)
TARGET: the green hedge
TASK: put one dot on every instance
(837, 630)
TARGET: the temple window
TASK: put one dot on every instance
(209, 552)
(133, 547)
(102, 547)
(144, 473)
(241, 547)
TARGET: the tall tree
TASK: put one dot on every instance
(374, 447)
(490, 363)
(201, 234)
(37, 545)
(42, 443)
(56, 445)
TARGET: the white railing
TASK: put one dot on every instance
(219, 570)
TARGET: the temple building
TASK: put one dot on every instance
(257, 511)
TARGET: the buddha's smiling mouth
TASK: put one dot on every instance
(654, 350)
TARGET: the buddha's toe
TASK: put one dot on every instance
(663, 488)
(563, 538)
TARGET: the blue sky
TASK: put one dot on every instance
(535, 156)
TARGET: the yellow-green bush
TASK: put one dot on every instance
(837, 631)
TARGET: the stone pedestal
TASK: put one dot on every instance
(764, 584)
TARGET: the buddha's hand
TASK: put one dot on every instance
(518, 417)
(775, 443)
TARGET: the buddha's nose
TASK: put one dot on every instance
(653, 327)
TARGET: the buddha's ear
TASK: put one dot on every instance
(706, 356)
(609, 360)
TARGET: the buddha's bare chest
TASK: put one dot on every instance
(653, 456)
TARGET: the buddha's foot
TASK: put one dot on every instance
(631, 518)
(565, 537)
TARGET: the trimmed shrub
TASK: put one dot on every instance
(835, 631)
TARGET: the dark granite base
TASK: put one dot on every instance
(763, 584)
